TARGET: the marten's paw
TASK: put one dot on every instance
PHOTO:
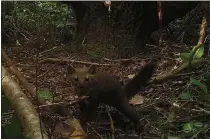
(139, 127)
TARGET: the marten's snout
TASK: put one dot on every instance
(81, 82)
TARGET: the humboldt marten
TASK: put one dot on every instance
(104, 88)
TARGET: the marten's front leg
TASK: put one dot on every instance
(83, 109)
(88, 109)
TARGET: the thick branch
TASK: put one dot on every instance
(22, 106)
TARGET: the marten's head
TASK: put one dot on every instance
(80, 76)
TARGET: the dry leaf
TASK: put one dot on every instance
(70, 128)
(63, 128)
(131, 76)
(151, 90)
(137, 99)
(19, 69)
(175, 67)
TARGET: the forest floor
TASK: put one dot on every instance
(157, 101)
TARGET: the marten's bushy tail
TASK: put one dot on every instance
(141, 79)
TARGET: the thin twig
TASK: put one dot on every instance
(117, 60)
(94, 130)
(24, 36)
(151, 45)
(73, 102)
(111, 123)
(203, 110)
(187, 119)
(54, 60)
(47, 71)
(47, 50)
(160, 17)
(184, 74)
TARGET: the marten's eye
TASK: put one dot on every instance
(76, 78)
(86, 78)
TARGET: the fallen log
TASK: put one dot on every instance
(23, 108)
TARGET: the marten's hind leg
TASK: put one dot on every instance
(125, 108)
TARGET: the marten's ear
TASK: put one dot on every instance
(92, 69)
(70, 70)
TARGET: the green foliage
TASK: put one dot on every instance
(206, 77)
(195, 127)
(188, 127)
(10, 122)
(185, 56)
(199, 52)
(204, 94)
(45, 94)
(200, 85)
(15, 127)
(206, 80)
(199, 92)
(196, 53)
(173, 137)
(185, 96)
(30, 19)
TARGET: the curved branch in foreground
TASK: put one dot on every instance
(172, 73)
(22, 106)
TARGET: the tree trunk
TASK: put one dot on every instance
(127, 28)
